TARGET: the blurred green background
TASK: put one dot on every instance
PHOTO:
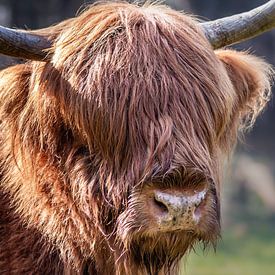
(248, 196)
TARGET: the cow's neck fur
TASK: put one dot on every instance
(23, 248)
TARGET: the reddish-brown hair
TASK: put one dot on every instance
(131, 94)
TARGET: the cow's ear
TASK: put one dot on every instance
(251, 78)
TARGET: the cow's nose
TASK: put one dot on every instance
(178, 210)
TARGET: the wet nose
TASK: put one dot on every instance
(178, 209)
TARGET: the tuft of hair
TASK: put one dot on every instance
(251, 77)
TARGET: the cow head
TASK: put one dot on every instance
(123, 133)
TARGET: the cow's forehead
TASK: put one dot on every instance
(146, 87)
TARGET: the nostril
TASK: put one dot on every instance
(176, 209)
(161, 206)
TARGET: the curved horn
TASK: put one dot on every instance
(23, 44)
(240, 27)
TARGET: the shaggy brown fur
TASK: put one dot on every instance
(134, 97)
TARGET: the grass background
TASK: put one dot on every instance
(240, 252)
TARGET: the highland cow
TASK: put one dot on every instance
(112, 150)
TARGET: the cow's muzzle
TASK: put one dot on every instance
(177, 210)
